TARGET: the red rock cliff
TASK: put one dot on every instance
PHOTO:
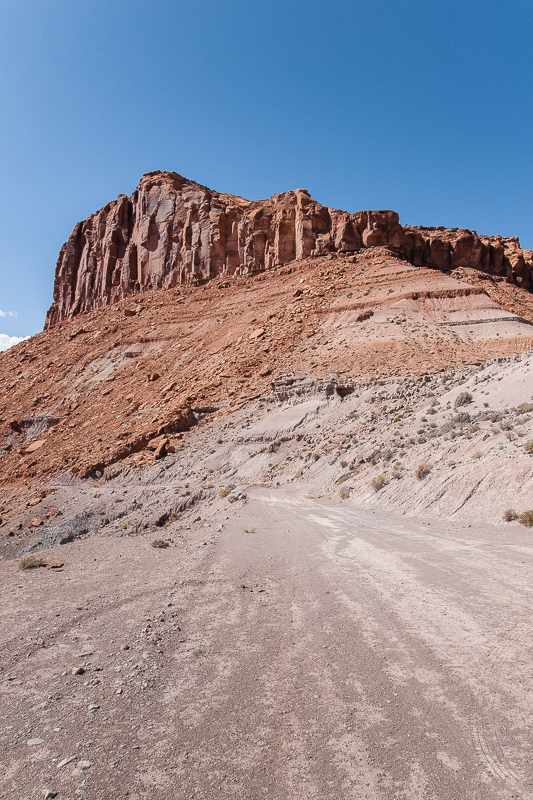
(174, 231)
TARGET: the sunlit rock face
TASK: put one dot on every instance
(173, 231)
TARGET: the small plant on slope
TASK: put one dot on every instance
(463, 399)
(31, 562)
(526, 518)
(379, 482)
(422, 470)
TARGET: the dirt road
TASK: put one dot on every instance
(304, 650)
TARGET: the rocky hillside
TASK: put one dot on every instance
(174, 232)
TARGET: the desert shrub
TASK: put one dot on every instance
(160, 543)
(528, 447)
(432, 411)
(398, 418)
(225, 491)
(374, 457)
(509, 515)
(397, 470)
(463, 399)
(523, 408)
(31, 562)
(316, 456)
(477, 454)
(344, 464)
(379, 482)
(526, 518)
(344, 494)
(422, 470)
(506, 425)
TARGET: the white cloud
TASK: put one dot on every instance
(8, 341)
(8, 313)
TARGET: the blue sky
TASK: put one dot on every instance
(422, 107)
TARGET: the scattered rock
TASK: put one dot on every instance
(31, 448)
(65, 761)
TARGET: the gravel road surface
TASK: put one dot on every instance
(297, 649)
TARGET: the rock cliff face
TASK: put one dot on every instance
(173, 231)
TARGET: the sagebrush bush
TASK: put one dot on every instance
(224, 492)
(160, 543)
(509, 515)
(422, 470)
(379, 482)
(31, 562)
(526, 518)
(344, 494)
(528, 447)
(463, 399)
(397, 471)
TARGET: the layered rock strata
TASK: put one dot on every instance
(173, 231)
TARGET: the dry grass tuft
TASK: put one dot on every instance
(526, 518)
(31, 562)
(422, 470)
(160, 543)
(379, 482)
(509, 515)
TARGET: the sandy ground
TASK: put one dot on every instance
(302, 650)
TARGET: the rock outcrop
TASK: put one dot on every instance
(173, 231)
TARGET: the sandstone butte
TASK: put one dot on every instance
(173, 232)
(179, 305)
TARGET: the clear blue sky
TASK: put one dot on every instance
(418, 106)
